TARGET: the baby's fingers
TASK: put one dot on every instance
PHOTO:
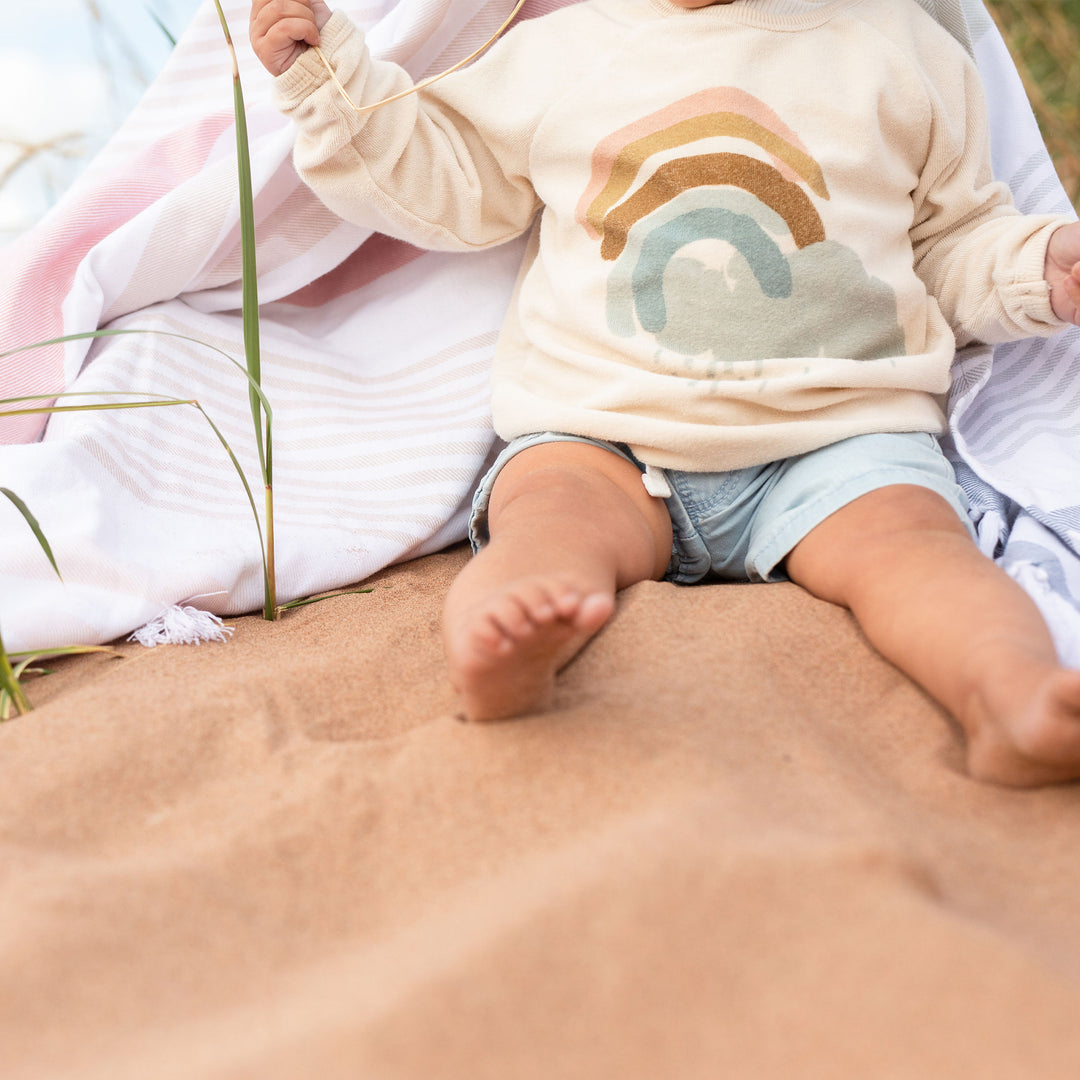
(1071, 286)
(294, 18)
(280, 31)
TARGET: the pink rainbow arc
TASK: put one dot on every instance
(718, 110)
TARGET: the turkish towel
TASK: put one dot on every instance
(374, 357)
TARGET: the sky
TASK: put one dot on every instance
(68, 79)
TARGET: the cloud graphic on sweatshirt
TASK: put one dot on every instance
(724, 252)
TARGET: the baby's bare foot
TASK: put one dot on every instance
(504, 651)
(1038, 743)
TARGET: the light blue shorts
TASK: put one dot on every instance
(741, 525)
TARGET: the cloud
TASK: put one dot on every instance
(750, 295)
(833, 309)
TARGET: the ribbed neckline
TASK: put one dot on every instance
(768, 14)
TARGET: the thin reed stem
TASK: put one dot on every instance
(424, 83)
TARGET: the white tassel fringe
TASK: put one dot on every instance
(1061, 617)
(178, 625)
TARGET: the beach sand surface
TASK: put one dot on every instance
(740, 844)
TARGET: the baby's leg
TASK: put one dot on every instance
(946, 615)
(570, 523)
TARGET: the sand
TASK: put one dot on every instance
(739, 845)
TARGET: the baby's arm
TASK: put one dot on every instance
(1062, 272)
(985, 263)
(445, 169)
(281, 30)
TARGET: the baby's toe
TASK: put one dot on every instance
(512, 616)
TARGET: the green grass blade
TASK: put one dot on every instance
(56, 394)
(266, 546)
(249, 278)
(269, 608)
(161, 26)
(34, 526)
(24, 658)
(21, 668)
(253, 384)
(270, 605)
(260, 407)
(250, 313)
(317, 599)
(11, 693)
(104, 406)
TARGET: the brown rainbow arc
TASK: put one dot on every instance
(673, 177)
(632, 157)
(619, 157)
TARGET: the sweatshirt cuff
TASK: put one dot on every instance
(308, 72)
(1029, 290)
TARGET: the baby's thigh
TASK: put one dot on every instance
(581, 494)
(911, 483)
(865, 520)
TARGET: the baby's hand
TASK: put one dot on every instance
(1062, 272)
(281, 30)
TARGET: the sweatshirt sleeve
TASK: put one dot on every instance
(445, 169)
(978, 256)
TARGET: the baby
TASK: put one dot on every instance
(759, 229)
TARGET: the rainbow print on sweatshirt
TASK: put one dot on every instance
(654, 198)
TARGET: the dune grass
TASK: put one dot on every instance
(14, 667)
(11, 691)
(260, 410)
(1044, 39)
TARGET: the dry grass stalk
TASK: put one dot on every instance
(65, 145)
(424, 83)
(1044, 39)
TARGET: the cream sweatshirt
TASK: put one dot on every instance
(757, 228)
